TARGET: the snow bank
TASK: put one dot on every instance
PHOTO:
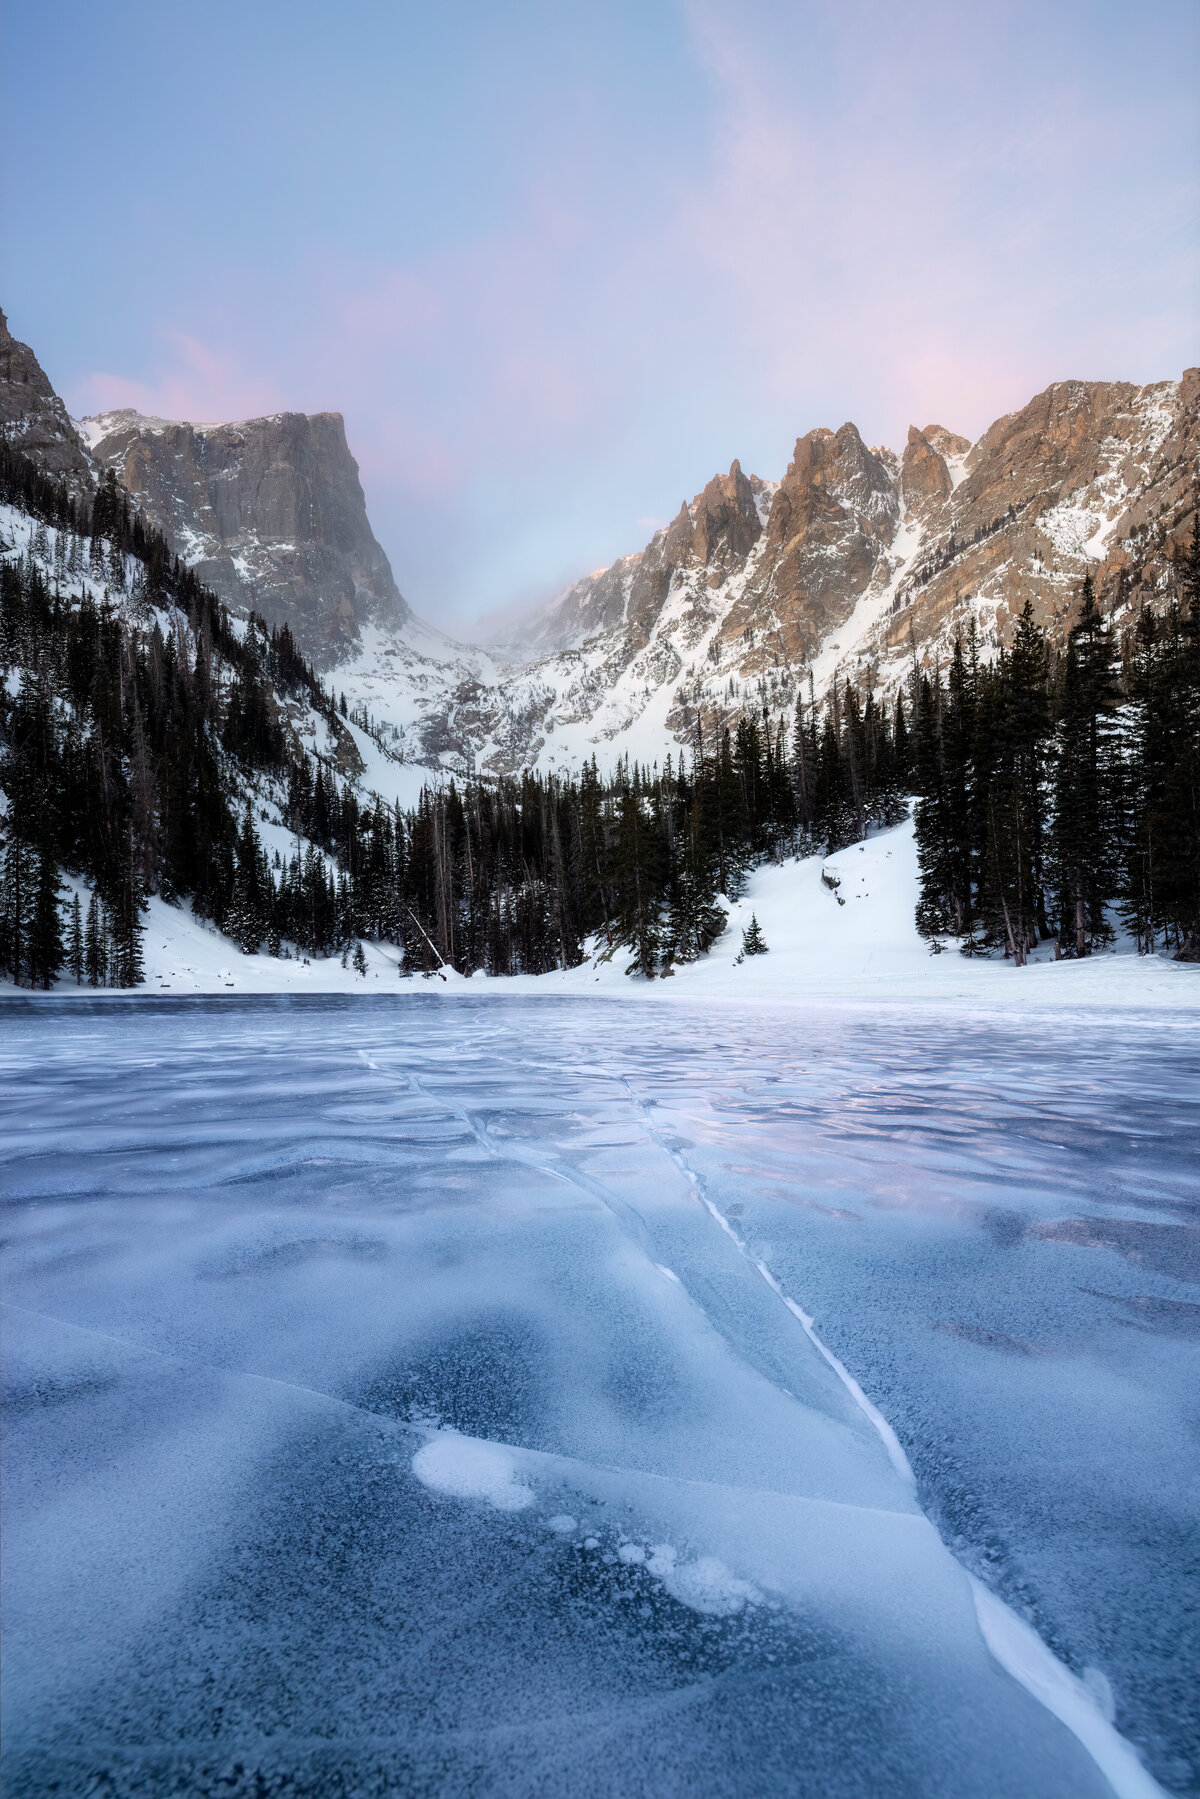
(837, 928)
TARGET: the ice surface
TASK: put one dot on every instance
(470, 1469)
(463, 1395)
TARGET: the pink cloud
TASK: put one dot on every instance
(200, 382)
(869, 230)
(890, 229)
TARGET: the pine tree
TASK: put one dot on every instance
(1084, 833)
(804, 768)
(18, 896)
(1161, 880)
(724, 819)
(249, 911)
(75, 939)
(638, 868)
(46, 951)
(943, 905)
(95, 944)
(694, 920)
(753, 941)
(1010, 804)
(125, 907)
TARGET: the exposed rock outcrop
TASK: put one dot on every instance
(725, 524)
(1089, 477)
(716, 532)
(269, 512)
(832, 519)
(856, 560)
(754, 593)
(33, 418)
(924, 472)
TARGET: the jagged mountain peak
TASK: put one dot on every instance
(948, 444)
(756, 592)
(726, 521)
(831, 473)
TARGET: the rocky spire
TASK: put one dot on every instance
(727, 525)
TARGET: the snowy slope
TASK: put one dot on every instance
(350, 756)
(866, 949)
(760, 592)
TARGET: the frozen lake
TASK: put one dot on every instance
(404, 1397)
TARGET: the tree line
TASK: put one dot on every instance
(1059, 795)
(129, 734)
(145, 737)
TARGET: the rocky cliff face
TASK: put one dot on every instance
(1091, 477)
(269, 512)
(925, 476)
(832, 520)
(716, 533)
(855, 561)
(33, 418)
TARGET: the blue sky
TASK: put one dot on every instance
(559, 263)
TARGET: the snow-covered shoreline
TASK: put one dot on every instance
(854, 941)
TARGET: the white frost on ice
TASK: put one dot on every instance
(703, 1584)
(469, 1468)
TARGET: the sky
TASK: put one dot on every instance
(557, 264)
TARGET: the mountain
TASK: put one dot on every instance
(756, 594)
(856, 560)
(268, 512)
(157, 739)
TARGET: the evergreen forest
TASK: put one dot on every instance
(146, 736)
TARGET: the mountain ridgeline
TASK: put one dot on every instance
(144, 731)
(147, 736)
(1008, 631)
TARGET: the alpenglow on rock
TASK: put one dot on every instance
(855, 566)
(269, 512)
